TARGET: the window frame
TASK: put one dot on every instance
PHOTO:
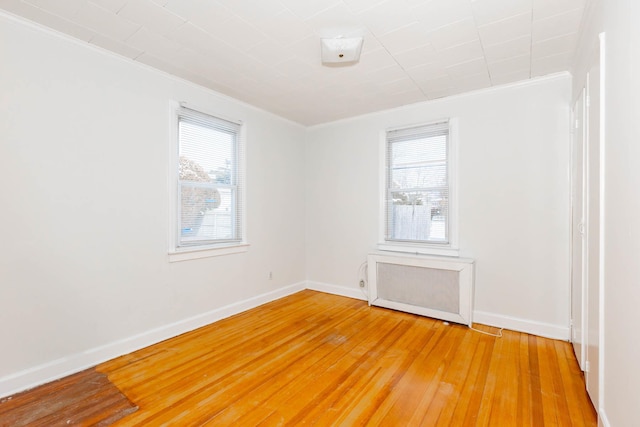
(178, 252)
(444, 249)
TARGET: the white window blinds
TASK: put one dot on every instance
(210, 180)
(417, 184)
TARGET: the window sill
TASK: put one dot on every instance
(419, 249)
(186, 254)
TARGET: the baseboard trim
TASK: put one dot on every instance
(604, 421)
(355, 293)
(56, 369)
(546, 330)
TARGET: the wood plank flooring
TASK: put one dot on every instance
(324, 360)
(85, 398)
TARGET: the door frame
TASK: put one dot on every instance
(578, 335)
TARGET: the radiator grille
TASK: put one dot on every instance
(430, 286)
(424, 287)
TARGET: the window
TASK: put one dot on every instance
(418, 187)
(209, 181)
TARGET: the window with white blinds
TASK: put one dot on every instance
(210, 179)
(418, 184)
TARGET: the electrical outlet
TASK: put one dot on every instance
(362, 283)
(270, 275)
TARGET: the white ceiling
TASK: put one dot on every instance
(267, 52)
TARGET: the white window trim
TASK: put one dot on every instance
(185, 254)
(451, 249)
(175, 252)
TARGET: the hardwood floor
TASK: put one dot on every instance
(85, 398)
(319, 359)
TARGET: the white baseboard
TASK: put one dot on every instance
(356, 293)
(604, 421)
(516, 324)
(71, 364)
(50, 371)
(532, 327)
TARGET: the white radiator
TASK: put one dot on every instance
(436, 287)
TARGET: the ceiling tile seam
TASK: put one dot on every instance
(394, 58)
(430, 32)
(466, 59)
(488, 24)
(433, 30)
(587, 16)
(213, 36)
(584, 18)
(554, 37)
(181, 18)
(509, 40)
(552, 55)
(126, 41)
(119, 9)
(531, 45)
(31, 3)
(48, 12)
(309, 17)
(505, 18)
(564, 12)
(484, 54)
(227, 44)
(115, 14)
(370, 6)
(557, 36)
(94, 32)
(255, 28)
(63, 18)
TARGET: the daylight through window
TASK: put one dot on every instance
(209, 180)
(417, 189)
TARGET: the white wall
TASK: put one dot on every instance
(84, 221)
(618, 19)
(513, 194)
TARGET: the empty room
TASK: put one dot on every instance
(319, 212)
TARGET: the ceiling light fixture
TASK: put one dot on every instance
(341, 50)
